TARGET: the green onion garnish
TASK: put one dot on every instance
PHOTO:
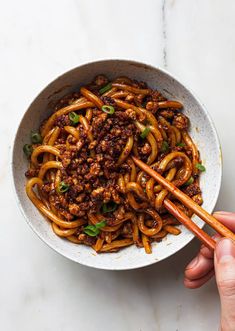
(62, 188)
(165, 146)
(109, 207)
(91, 230)
(200, 167)
(144, 133)
(74, 118)
(180, 144)
(94, 230)
(100, 224)
(28, 149)
(35, 137)
(190, 181)
(108, 109)
(106, 88)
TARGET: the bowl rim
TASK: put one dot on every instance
(151, 67)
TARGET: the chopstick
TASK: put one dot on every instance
(188, 202)
(189, 224)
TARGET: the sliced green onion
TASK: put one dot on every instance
(35, 137)
(94, 230)
(62, 187)
(181, 144)
(109, 207)
(144, 133)
(91, 230)
(74, 118)
(108, 109)
(200, 167)
(165, 146)
(106, 88)
(100, 224)
(28, 149)
(190, 181)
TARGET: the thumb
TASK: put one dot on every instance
(225, 278)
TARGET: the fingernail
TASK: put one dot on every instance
(225, 250)
(193, 263)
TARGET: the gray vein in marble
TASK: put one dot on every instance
(164, 33)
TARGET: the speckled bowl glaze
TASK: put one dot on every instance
(202, 131)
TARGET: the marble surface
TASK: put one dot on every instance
(40, 290)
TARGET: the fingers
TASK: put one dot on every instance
(225, 278)
(199, 267)
(203, 264)
(196, 283)
(227, 218)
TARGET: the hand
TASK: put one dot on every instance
(222, 264)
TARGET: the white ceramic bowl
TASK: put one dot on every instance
(202, 131)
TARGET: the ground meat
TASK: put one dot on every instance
(94, 171)
(98, 122)
(75, 190)
(192, 190)
(31, 173)
(131, 114)
(188, 151)
(157, 96)
(127, 229)
(115, 195)
(79, 210)
(130, 97)
(46, 188)
(107, 196)
(146, 149)
(167, 113)
(139, 98)
(101, 80)
(92, 144)
(87, 240)
(82, 169)
(108, 101)
(66, 158)
(62, 120)
(71, 140)
(181, 121)
(98, 193)
(90, 165)
(177, 148)
(152, 106)
(66, 215)
(74, 209)
(139, 84)
(81, 196)
(198, 199)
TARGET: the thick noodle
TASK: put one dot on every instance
(82, 178)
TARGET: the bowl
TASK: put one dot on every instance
(202, 131)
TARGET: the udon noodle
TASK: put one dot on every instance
(81, 175)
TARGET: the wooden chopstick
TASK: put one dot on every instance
(186, 200)
(189, 224)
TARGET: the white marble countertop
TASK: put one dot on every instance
(39, 289)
